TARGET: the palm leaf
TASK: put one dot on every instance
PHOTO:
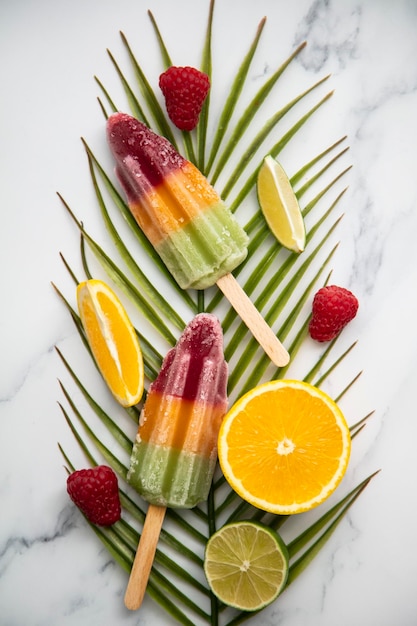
(275, 278)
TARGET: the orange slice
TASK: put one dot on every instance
(284, 446)
(113, 340)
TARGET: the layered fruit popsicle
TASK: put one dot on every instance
(175, 452)
(181, 214)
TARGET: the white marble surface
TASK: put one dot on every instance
(52, 569)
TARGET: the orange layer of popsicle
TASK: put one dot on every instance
(182, 215)
(175, 452)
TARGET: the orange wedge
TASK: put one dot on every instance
(284, 446)
(113, 340)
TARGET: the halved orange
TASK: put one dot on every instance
(112, 339)
(284, 446)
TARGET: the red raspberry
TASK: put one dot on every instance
(95, 491)
(333, 308)
(185, 90)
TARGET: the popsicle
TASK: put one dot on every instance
(175, 452)
(184, 218)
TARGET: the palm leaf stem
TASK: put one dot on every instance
(211, 511)
(189, 147)
(231, 101)
(258, 140)
(201, 301)
(214, 606)
(142, 281)
(274, 151)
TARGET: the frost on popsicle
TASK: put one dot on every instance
(181, 214)
(175, 453)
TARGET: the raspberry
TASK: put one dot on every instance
(333, 308)
(184, 89)
(95, 492)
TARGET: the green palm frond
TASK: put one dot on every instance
(280, 283)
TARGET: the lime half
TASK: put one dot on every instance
(280, 206)
(246, 565)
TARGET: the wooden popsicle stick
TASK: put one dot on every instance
(250, 315)
(145, 554)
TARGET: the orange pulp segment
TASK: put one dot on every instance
(112, 339)
(284, 446)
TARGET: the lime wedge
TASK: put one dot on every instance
(246, 565)
(280, 206)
